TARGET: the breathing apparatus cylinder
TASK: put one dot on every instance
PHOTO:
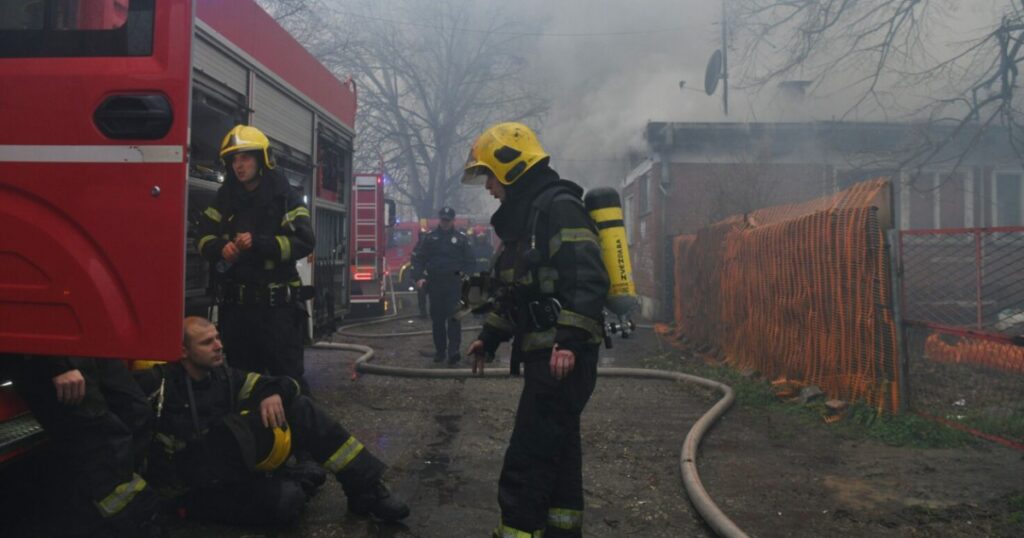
(605, 209)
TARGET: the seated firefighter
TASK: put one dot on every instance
(222, 435)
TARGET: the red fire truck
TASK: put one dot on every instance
(372, 215)
(111, 117)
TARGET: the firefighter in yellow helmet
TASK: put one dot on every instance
(252, 234)
(554, 285)
(222, 435)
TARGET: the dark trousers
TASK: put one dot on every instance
(444, 302)
(421, 301)
(265, 339)
(101, 439)
(543, 466)
(244, 497)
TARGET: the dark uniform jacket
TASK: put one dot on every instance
(442, 253)
(278, 221)
(189, 449)
(566, 266)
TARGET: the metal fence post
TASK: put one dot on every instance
(894, 246)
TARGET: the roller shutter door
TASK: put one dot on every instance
(282, 118)
(218, 65)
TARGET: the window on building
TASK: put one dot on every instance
(920, 192)
(952, 201)
(938, 200)
(643, 190)
(1008, 197)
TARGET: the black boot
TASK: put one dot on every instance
(306, 473)
(454, 359)
(377, 500)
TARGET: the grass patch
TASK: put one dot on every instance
(861, 421)
(904, 430)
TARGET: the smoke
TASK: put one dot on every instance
(606, 85)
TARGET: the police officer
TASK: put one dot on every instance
(98, 421)
(253, 233)
(439, 261)
(553, 286)
(223, 435)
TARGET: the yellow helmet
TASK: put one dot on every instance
(279, 451)
(507, 150)
(245, 138)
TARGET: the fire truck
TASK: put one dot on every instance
(111, 117)
(372, 216)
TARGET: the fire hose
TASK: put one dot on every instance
(705, 506)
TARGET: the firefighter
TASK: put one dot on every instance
(223, 435)
(482, 250)
(98, 421)
(438, 263)
(552, 291)
(253, 233)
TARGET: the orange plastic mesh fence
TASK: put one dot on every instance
(798, 292)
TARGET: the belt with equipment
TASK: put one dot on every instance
(264, 295)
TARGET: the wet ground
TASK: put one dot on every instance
(772, 472)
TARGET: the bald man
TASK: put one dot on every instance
(223, 434)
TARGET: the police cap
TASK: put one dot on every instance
(446, 213)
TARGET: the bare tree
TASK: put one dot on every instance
(431, 74)
(890, 53)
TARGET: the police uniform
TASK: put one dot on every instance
(102, 440)
(262, 316)
(211, 449)
(442, 257)
(553, 287)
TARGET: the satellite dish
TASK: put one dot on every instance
(713, 72)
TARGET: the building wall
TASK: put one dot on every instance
(697, 195)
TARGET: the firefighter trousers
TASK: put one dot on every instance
(444, 303)
(98, 441)
(265, 339)
(246, 497)
(541, 484)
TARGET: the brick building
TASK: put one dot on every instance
(698, 173)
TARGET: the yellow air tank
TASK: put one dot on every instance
(605, 208)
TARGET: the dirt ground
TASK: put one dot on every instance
(773, 472)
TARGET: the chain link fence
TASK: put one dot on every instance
(963, 304)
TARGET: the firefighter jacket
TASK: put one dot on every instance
(549, 250)
(277, 219)
(198, 426)
(442, 252)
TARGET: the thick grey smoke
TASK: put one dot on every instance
(604, 88)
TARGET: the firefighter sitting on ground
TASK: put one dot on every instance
(222, 436)
(97, 419)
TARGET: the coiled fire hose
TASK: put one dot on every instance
(705, 506)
